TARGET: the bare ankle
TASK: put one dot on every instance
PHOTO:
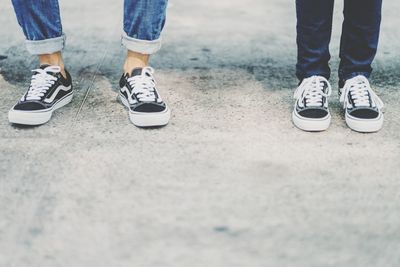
(54, 59)
(135, 60)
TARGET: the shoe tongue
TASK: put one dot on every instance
(325, 84)
(136, 72)
(44, 66)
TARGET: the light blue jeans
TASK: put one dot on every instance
(41, 22)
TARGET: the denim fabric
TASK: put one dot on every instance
(359, 42)
(39, 20)
(144, 19)
(41, 23)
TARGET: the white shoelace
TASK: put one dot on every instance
(361, 93)
(143, 86)
(41, 82)
(310, 93)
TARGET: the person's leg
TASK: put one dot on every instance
(360, 36)
(51, 85)
(41, 24)
(314, 27)
(143, 22)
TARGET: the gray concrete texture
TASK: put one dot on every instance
(229, 182)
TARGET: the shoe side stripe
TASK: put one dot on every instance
(54, 95)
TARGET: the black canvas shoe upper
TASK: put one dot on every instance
(312, 98)
(359, 100)
(139, 89)
(47, 87)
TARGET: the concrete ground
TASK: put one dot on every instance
(229, 182)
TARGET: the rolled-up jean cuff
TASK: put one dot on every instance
(140, 46)
(46, 46)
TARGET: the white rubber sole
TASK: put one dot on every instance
(37, 117)
(364, 125)
(141, 119)
(311, 125)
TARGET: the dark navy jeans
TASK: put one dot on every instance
(359, 42)
(41, 23)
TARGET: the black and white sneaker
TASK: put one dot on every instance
(48, 91)
(363, 108)
(139, 94)
(311, 111)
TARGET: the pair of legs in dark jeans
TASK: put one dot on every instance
(359, 42)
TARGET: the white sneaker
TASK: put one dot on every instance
(48, 91)
(311, 111)
(363, 108)
(139, 94)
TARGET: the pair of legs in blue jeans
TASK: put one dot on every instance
(41, 24)
(144, 21)
(51, 85)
